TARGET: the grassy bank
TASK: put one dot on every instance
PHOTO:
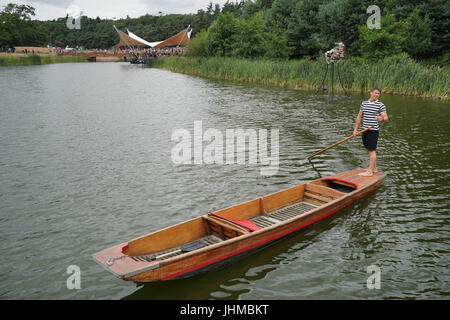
(36, 59)
(396, 75)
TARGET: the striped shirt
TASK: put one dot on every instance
(370, 112)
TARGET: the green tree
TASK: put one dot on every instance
(17, 29)
(276, 47)
(201, 21)
(234, 8)
(250, 8)
(383, 42)
(339, 21)
(220, 39)
(197, 47)
(418, 30)
(438, 12)
(280, 13)
(248, 41)
(303, 28)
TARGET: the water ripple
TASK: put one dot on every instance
(86, 164)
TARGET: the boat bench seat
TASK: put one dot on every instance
(218, 226)
(271, 218)
(319, 195)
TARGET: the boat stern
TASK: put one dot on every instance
(121, 265)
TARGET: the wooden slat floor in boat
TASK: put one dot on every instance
(291, 211)
(175, 251)
(264, 221)
(261, 221)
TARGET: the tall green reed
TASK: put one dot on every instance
(34, 59)
(395, 75)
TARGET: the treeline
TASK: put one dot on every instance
(307, 28)
(275, 29)
(17, 28)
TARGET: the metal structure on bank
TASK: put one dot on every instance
(333, 57)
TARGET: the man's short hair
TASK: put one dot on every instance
(375, 88)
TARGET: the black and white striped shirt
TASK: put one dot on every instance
(370, 112)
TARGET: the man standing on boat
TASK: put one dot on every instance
(371, 112)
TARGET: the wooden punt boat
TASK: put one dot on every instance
(199, 244)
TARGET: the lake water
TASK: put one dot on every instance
(85, 164)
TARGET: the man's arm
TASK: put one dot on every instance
(358, 122)
(383, 117)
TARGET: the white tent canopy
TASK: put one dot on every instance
(182, 38)
(135, 37)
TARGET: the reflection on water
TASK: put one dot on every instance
(86, 164)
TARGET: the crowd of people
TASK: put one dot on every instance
(8, 50)
(173, 51)
(152, 52)
(25, 50)
(141, 53)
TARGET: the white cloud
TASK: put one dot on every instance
(52, 9)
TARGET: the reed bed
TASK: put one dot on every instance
(34, 59)
(395, 75)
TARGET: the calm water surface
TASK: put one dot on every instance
(85, 164)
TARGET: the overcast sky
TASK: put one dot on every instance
(52, 9)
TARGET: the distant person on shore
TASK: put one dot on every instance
(371, 112)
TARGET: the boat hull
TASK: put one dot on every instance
(225, 252)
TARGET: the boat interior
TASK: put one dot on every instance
(235, 221)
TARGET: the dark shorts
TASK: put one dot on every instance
(370, 139)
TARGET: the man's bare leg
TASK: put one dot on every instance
(373, 161)
(372, 164)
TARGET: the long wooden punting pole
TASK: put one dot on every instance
(334, 145)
